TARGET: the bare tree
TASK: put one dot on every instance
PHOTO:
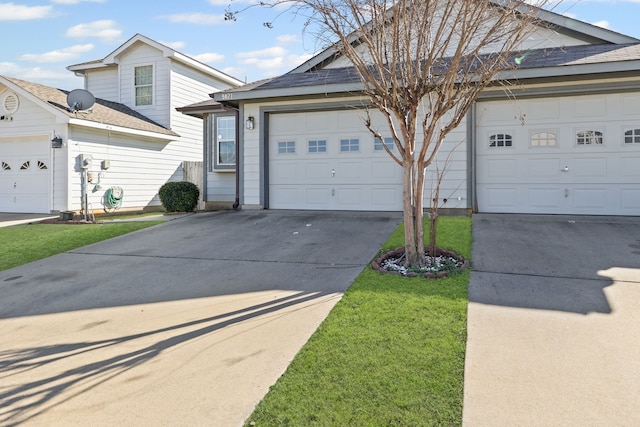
(422, 64)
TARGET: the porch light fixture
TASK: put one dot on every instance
(249, 123)
(56, 142)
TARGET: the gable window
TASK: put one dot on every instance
(349, 145)
(632, 136)
(544, 139)
(589, 137)
(286, 147)
(377, 144)
(225, 142)
(501, 140)
(143, 82)
(318, 146)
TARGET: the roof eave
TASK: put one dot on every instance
(121, 129)
(289, 92)
(570, 70)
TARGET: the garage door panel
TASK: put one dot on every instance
(568, 174)
(590, 198)
(317, 170)
(544, 168)
(592, 167)
(499, 198)
(284, 196)
(631, 167)
(286, 172)
(351, 198)
(317, 198)
(630, 200)
(545, 199)
(500, 168)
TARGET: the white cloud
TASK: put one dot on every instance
(209, 58)
(270, 52)
(177, 45)
(289, 39)
(103, 29)
(59, 55)
(18, 12)
(77, 1)
(273, 60)
(61, 80)
(194, 18)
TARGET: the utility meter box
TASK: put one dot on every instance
(106, 164)
(85, 161)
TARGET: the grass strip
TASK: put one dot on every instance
(22, 244)
(391, 352)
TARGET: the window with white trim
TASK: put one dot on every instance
(377, 144)
(500, 140)
(589, 137)
(143, 83)
(347, 145)
(6, 166)
(632, 136)
(286, 147)
(544, 139)
(225, 142)
(317, 146)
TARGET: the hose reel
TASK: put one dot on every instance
(113, 198)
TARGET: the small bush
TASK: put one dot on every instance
(180, 196)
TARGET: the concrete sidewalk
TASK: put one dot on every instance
(554, 322)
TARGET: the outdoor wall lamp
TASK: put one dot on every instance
(249, 123)
(56, 142)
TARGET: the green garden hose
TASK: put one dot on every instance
(113, 198)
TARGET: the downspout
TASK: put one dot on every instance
(236, 204)
(471, 160)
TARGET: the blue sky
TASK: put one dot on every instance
(40, 38)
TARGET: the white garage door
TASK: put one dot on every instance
(329, 161)
(570, 155)
(24, 176)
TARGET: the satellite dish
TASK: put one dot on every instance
(80, 99)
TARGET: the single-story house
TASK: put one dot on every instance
(55, 156)
(565, 141)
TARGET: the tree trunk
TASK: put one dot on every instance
(413, 214)
(409, 213)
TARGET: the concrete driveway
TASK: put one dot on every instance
(185, 323)
(554, 322)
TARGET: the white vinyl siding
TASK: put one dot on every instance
(103, 84)
(139, 165)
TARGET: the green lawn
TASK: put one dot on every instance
(390, 353)
(25, 243)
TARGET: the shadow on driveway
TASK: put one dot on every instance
(188, 322)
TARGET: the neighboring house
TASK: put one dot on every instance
(133, 133)
(569, 143)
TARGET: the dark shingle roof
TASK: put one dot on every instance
(104, 112)
(533, 59)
